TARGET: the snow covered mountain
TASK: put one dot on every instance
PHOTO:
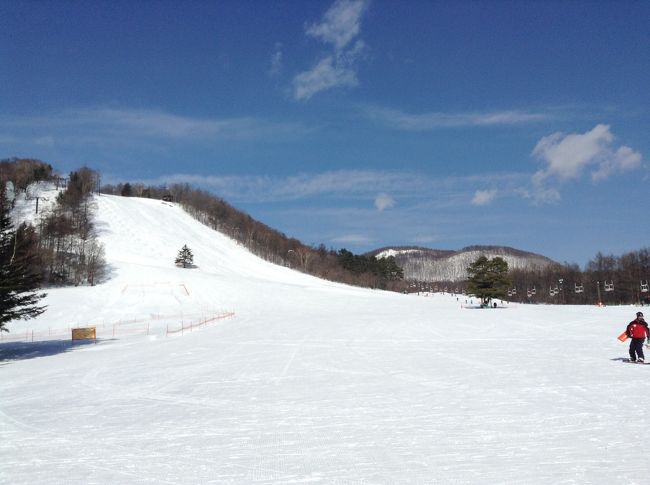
(423, 264)
(279, 377)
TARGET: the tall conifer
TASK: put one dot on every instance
(19, 272)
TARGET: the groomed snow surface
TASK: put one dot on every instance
(309, 381)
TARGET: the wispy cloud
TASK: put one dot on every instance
(401, 120)
(340, 24)
(328, 73)
(347, 184)
(338, 28)
(124, 124)
(358, 239)
(158, 123)
(540, 194)
(276, 61)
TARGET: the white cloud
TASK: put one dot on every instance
(484, 197)
(340, 24)
(339, 27)
(624, 160)
(384, 201)
(276, 61)
(325, 75)
(568, 156)
(435, 120)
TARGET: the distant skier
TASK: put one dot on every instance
(638, 331)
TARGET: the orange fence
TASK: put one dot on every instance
(146, 325)
(196, 325)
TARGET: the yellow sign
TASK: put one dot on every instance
(86, 333)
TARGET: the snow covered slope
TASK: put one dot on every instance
(309, 381)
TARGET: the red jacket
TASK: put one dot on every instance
(638, 329)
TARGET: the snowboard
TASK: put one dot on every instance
(628, 361)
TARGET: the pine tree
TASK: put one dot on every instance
(488, 278)
(185, 257)
(19, 269)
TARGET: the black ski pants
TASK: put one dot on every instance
(636, 348)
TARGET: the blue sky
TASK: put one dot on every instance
(356, 124)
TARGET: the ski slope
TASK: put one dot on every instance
(309, 381)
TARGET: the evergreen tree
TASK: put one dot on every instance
(19, 269)
(488, 278)
(127, 190)
(389, 269)
(185, 257)
(384, 268)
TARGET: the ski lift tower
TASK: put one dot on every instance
(608, 287)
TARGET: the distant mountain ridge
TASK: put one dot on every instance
(425, 264)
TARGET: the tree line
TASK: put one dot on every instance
(606, 280)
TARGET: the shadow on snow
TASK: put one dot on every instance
(12, 351)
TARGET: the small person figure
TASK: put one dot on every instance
(638, 332)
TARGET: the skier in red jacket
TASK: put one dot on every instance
(638, 331)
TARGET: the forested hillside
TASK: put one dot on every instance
(66, 250)
(435, 265)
